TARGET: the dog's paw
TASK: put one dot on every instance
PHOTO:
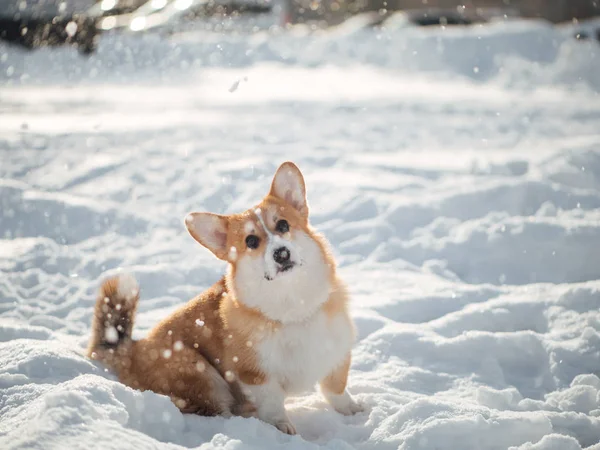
(286, 427)
(349, 407)
(344, 403)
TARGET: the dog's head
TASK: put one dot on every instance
(277, 263)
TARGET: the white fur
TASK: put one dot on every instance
(300, 354)
(290, 296)
(127, 287)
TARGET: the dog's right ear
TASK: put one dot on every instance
(288, 185)
(210, 230)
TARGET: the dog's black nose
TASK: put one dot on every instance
(281, 255)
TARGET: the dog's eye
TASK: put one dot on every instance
(282, 226)
(252, 241)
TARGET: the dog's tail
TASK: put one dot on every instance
(112, 324)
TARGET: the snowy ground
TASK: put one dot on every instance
(457, 175)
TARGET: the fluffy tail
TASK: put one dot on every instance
(112, 324)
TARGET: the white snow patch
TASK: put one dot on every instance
(551, 442)
(178, 346)
(111, 335)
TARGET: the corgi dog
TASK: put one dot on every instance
(276, 324)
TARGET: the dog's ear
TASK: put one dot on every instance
(288, 185)
(210, 230)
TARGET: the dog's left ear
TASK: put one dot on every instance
(210, 230)
(288, 185)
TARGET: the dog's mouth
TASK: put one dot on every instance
(282, 268)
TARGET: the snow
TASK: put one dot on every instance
(463, 207)
(111, 335)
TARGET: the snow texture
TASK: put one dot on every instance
(463, 206)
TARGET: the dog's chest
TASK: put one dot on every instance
(300, 354)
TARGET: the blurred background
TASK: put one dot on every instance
(80, 23)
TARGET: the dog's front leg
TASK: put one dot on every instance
(333, 387)
(269, 399)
